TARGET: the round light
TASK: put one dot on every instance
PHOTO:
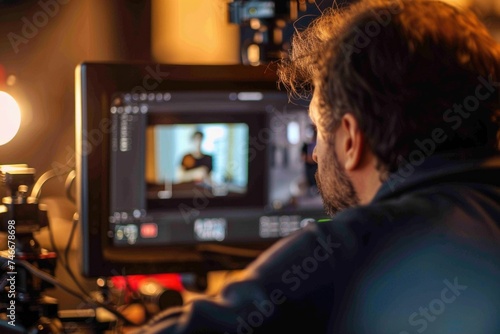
(10, 117)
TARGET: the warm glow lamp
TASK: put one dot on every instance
(10, 117)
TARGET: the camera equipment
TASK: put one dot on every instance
(266, 26)
(24, 306)
(266, 20)
(157, 298)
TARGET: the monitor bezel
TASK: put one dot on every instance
(95, 85)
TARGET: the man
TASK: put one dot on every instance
(405, 99)
(196, 166)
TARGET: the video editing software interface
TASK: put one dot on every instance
(190, 167)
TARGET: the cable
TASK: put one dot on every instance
(70, 240)
(36, 193)
(37, 188)
(53, 243)
(54, 281)
(66, 258)
(65, 263)
(70, 179)
(85, 296)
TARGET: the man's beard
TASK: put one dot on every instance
(335, 187)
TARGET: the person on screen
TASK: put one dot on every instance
(196, 166)
(399, 89)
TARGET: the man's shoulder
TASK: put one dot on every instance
(417, 245)
(432, 202)
(452, 212)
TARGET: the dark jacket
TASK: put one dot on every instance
(423, 256)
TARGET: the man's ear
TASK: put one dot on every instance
(353, 142)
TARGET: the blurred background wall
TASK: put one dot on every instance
(41, 43)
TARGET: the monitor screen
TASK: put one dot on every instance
(212, 160)
(186, 158)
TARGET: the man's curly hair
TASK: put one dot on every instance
(401, 67)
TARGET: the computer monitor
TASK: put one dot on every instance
(187, 168)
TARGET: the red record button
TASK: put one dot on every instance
(149, 230)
